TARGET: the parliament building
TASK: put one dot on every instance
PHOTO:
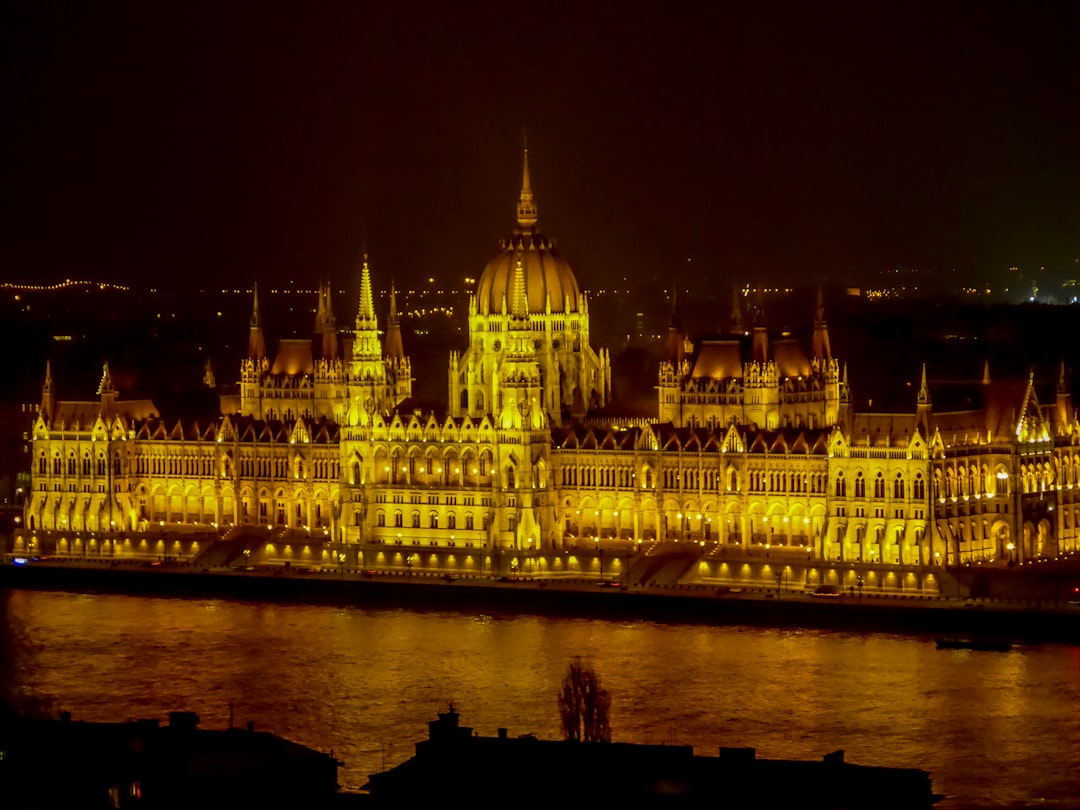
(755, 465)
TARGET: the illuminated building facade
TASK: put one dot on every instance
(755, 453)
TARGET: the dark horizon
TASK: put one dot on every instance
(273, 143)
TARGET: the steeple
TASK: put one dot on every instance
(821, 330)
(526, 208)
(256, 339)
(519, 300)
(365, 314)
(736, 323)
(986, 372)
(48, 394)
(675, 345)
(1063, 417)
(106, 384)
(760, 344)
(326, 324)
(107, 392)
(395, 349)
(924, 392)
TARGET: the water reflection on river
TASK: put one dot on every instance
(995, 729)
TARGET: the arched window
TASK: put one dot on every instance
(380, 519)
(898, 487)
(879, 486)
(469, 521)
(841, 485)
(451, 521)
(416, 520)
(860, 486)
(398, 518)
(919, 488)
(433, 520)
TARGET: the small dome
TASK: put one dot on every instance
(547, 276)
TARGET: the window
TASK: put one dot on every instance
(841, 486)
(898, 487)
(416, 520)
(919, 488)
(398, 520)
(860, 486)
(451, 522)
(433, 520)
(879, 486)
(469, 521)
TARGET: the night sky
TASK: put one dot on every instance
(220, 143)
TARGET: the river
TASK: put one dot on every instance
(995, 729)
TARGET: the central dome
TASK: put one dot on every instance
(546, 275)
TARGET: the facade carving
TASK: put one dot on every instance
(755, 451)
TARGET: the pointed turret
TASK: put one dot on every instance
(365, 313)
(395, 349)
(106, 384)
(986, 372)
(107, 392)
(326, 324)
(48, 394)
(735, 324)
(256, 338)
(761, 339)
(519, 301)
(526, 207)
(208, 375)
(675, 345)
(924, 392)
(1063, 416)
(821, 330)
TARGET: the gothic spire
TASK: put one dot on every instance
(924, 392)
(48, 394)
(526, 207)
(737, 327)
(365, 315)
(106, 384)
(519, 301)
(256, 339)
(256, 318)
(394, 347)
(821, 346)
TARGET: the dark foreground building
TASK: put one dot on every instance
(142, 764)
(454, 767)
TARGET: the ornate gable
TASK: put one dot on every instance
(300, 433)
(733, 441)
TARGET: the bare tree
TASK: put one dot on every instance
(584, 704)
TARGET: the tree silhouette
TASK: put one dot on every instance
(584, 704)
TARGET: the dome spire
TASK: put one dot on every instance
(526, 208)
